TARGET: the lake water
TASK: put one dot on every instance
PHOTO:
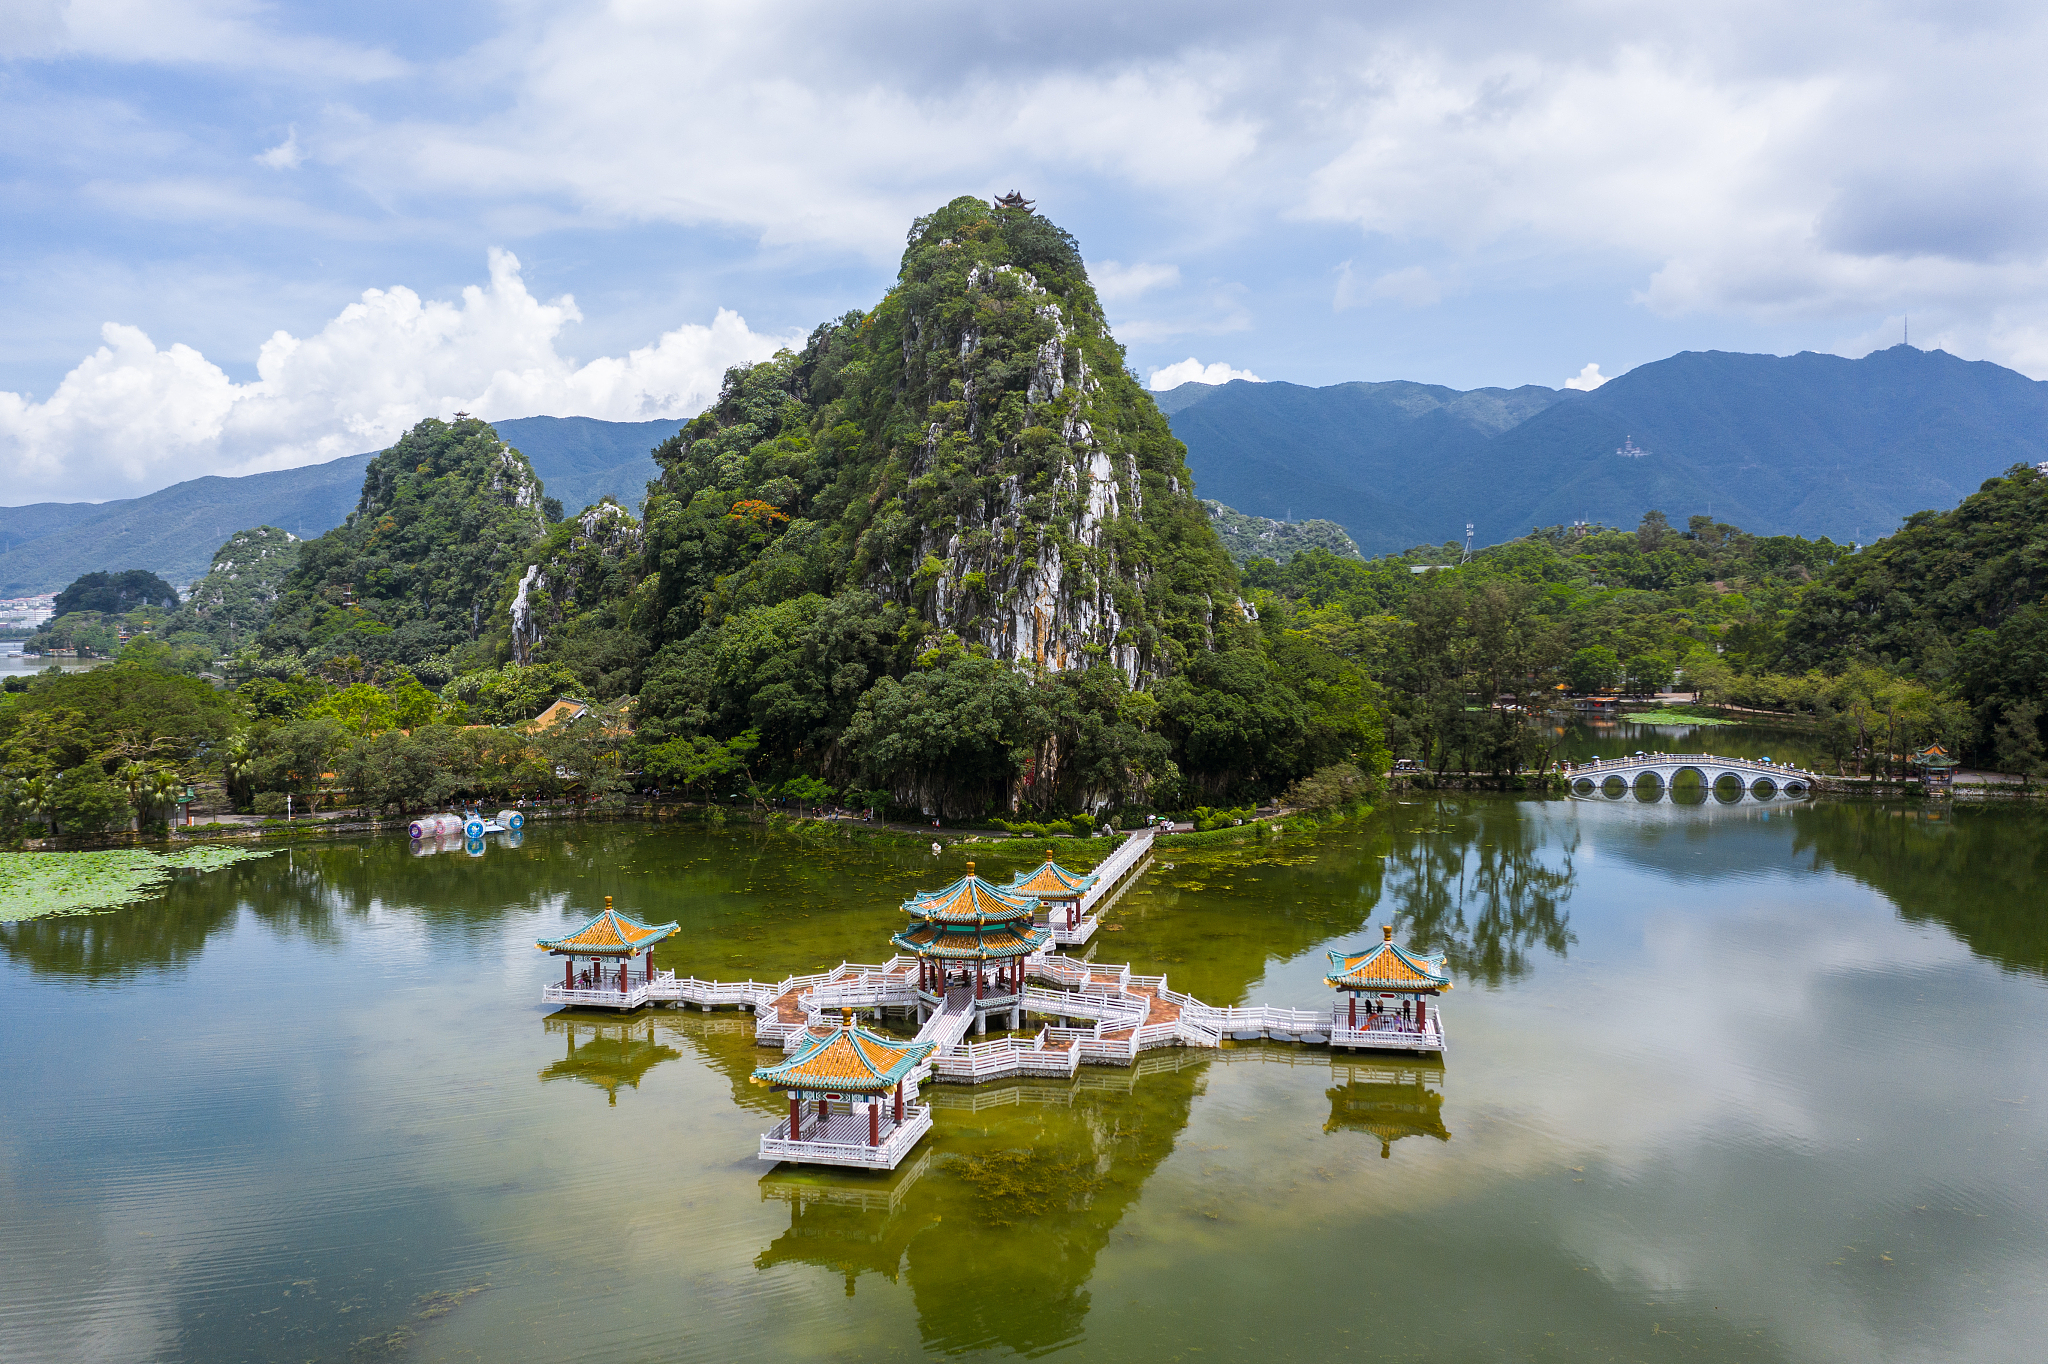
(1760, 1081)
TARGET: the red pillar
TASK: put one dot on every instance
(650, 966)
(978, 973)
(796, 1115)
(1354, 1010)
(622, 977)
(899, 1101)
(569, 973)
(824, 1108)
(875, 1122)
(1421, 1014)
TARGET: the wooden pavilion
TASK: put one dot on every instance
(1056, 888)
(1396, 986)
(846, 1064)
(610, 940)
(973, 934)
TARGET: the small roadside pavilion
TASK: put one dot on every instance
(847, 1100)
(1387, 991)
(610, 942)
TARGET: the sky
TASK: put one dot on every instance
(243, 236)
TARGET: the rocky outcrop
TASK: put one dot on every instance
(580, 565)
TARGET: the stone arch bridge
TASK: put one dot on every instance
(1757, 777)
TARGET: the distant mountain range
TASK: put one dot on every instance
(174, 532)
(1805, 444)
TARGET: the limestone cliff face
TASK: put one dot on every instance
(1032, 572)
(972, 452)
(591, 558)
(1055, 522)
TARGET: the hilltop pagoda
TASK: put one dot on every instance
(610, 939)
(973, 933)
(1397, 985)
(1058, 889)
(846, 1063)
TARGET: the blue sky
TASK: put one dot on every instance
(244, 235)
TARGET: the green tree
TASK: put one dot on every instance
(83, 801)
(1648, 673)
(1593, 669)
(360, 708)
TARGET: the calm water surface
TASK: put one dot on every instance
(1725, 1082)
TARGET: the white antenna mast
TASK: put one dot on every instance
(1468, 544)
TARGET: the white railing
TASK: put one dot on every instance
(1114, 866)
(1651, 761)
(633, 996)
(984, 1061)
(896, 1143)
(1401, 1036)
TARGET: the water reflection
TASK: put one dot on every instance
(847, 1225)
(1485, 884)
(1388, 1102)
(610, 1054)
(1981, 872)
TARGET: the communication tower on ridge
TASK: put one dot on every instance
(1630, 450)
(1468, 544)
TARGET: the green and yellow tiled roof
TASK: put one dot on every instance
(971, 900)
(974, 942)
(1050, 881)
(610, 934)
(851, 1060)
(1387, 966)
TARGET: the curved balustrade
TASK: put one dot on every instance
(1756, 777)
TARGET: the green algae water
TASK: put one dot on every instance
(1759, 1081)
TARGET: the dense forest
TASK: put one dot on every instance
(947, 557)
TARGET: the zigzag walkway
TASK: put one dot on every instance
(1107, 1016)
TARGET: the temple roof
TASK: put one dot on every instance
(1051, 881)
(610, 934)
(850, 1060)
(1387, 966)
(973, 943)
(971, 900)
(1934, 755)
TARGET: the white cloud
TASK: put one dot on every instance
(1115, 282)
(1588, 379)
(219, 33)
(131, 417)
(1193, 371)
(1412, 287)
(286, 155)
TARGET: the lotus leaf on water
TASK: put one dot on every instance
(39, 883)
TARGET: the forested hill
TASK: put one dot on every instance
(174, 532)
(950, 550)
(1808, 444)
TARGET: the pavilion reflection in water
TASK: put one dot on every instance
(606, 1055)
(1388, 1102)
